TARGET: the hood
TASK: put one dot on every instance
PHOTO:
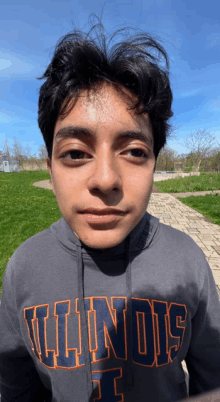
(140, 238)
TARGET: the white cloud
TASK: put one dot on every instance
(4, 64)
(13, 116)
(5, 118)
(11, 64)
(214, 106)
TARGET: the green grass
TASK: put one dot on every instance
(208, 205)
(204, 182)
(24, 211)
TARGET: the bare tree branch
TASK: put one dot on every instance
(200, 144)
(6, 149)
(42, 152)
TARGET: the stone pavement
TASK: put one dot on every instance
(206, 234)
(173, 213)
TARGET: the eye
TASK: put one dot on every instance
(138, 153)
(75, 154)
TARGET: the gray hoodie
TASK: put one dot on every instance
(79, 325)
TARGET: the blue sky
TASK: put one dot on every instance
(190, 31)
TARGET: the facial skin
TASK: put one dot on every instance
(96, 163)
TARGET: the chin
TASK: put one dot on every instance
(102, 240)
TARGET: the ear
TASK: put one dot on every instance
(50, 171)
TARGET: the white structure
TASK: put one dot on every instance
(8, 164)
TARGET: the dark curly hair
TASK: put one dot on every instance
(82, 62)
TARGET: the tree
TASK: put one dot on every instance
(216, 162)
(20, 151)
(200, 144)
(6, 149)
(42, 152)
(27, 151)
(166, 158)
(17, 149)
(173, 132)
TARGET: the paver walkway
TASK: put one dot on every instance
(206, 234)
(173, 213)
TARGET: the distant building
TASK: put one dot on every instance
(9, 164)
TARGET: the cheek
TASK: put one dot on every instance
(139, 190)
(63, 189)
(65, 183)
(140, 184)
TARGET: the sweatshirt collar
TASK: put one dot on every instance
(140, 238)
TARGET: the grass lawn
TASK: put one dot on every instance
(24, 211)
(208, 205)
(204, 182)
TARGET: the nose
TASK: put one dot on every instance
(106, 176)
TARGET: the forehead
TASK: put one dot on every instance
(105, 107)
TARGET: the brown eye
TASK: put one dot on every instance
(75, 154)
(138, 153)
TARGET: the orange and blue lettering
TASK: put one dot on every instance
(65, 357)
(47, 357)
(107, 385)
(109, 327)
(147, 356)
(177, 316)
(29, 317)
(160, 310)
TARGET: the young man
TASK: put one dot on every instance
(106, 303)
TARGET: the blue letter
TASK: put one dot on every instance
(47, 357)
(145, 358)
(160, 309)
(66, 357)
(107, 385)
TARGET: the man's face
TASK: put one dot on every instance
(102, 167)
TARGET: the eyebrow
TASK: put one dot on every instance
(79, 132)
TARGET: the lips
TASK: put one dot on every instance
(103, 218)
(105, 211)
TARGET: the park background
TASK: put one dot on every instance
(29, 30)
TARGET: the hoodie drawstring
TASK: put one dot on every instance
(84, 325)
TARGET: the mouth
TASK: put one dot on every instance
(99, 217)
(103, 212)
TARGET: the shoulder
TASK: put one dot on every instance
(30, 255)
(180, 254)
(178, 240)
(38, 243)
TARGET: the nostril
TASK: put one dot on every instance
(97, 190)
